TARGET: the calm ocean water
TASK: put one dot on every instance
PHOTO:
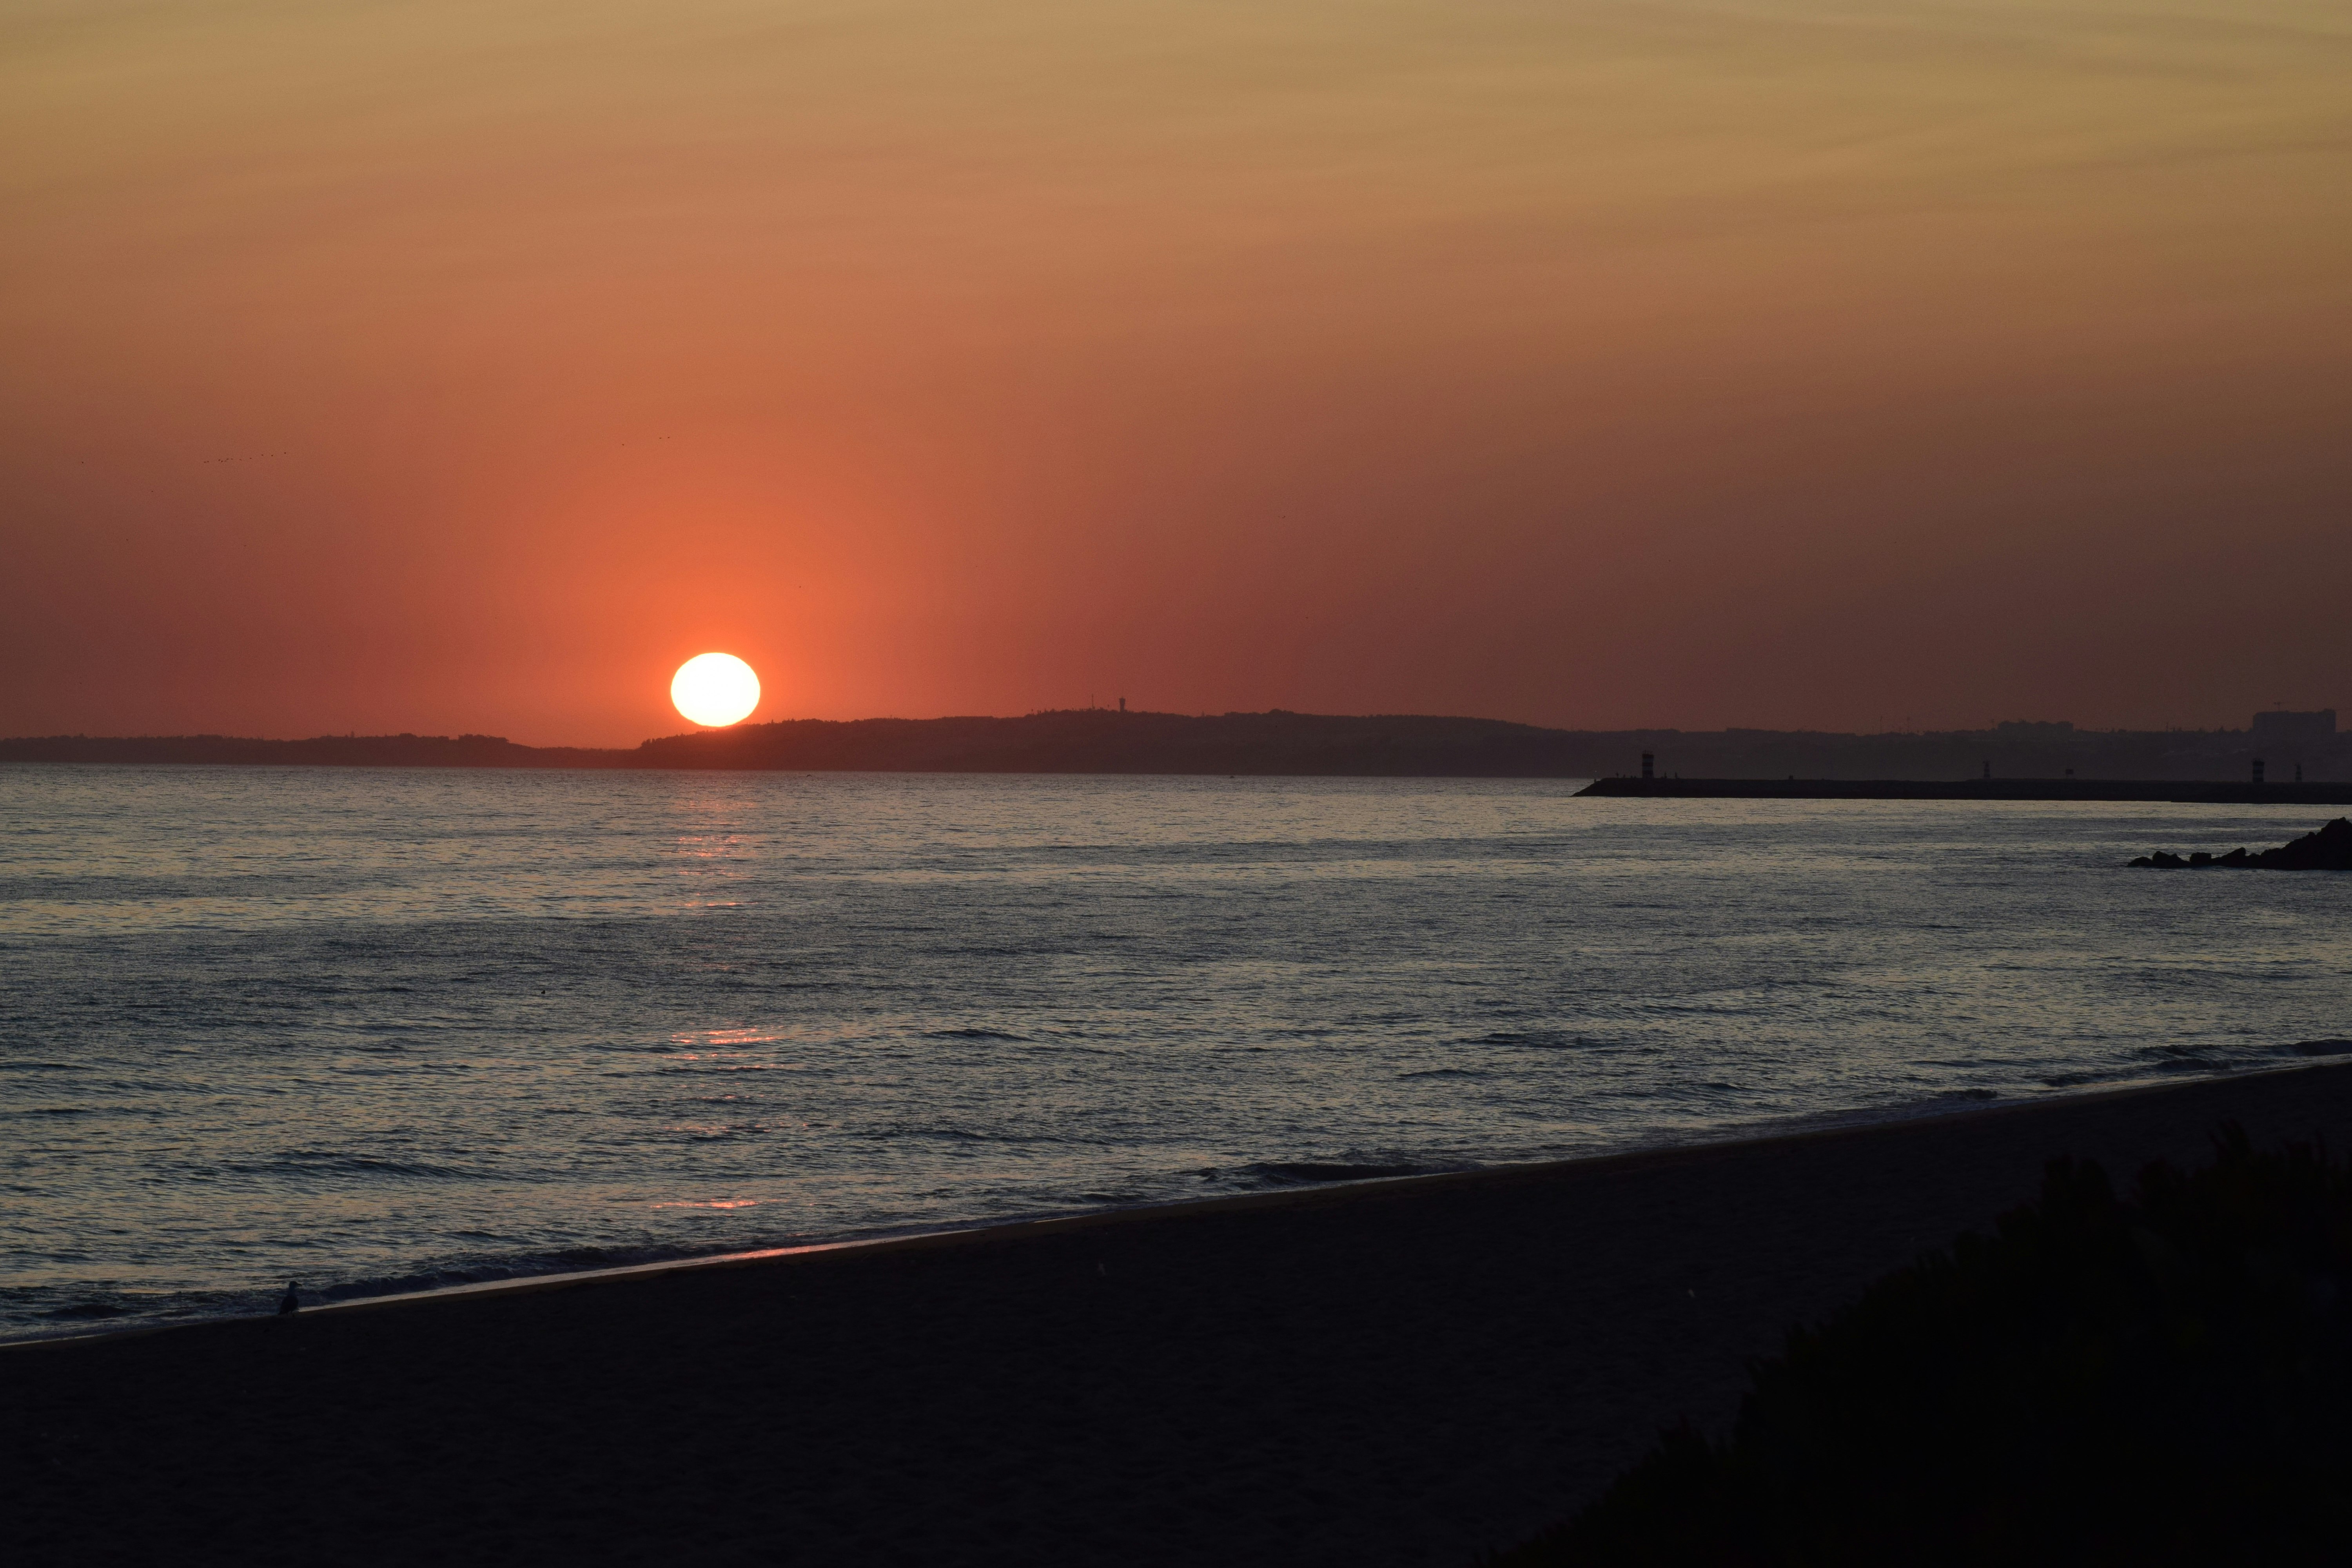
(380, 1030)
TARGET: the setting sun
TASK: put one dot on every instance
(715, 688)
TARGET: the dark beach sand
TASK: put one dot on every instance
(1408, 1373)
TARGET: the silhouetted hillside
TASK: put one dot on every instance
(1100, 740)
(1095, 741)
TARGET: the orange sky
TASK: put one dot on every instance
(465, 366)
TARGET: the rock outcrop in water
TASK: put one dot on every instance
(2330, 849)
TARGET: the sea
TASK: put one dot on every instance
(380, 1031)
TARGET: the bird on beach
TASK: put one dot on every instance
(291, 1301)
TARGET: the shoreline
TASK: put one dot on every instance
(1403, 1372)
(1760, 1139)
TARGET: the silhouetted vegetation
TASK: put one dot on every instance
(2166, 1379)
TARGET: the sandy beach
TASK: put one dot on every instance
(1403, 1372)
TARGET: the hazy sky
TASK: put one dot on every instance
(403, 364)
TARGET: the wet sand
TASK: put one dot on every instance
(1404, 1373)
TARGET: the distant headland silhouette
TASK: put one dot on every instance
(2294, 748)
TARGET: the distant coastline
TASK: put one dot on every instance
(1103, 741)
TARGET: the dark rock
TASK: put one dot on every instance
(2330, 849)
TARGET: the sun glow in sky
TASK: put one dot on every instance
(1598, 363)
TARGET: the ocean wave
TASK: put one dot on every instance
(1537, 1040)
(972, 1034)
(317, 1162)
(2190, 1058)
(1306, 1172)
(2213, 1059)
(952, 1134)
(523, 1265)
(64, 1311)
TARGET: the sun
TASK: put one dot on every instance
(715, 688)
